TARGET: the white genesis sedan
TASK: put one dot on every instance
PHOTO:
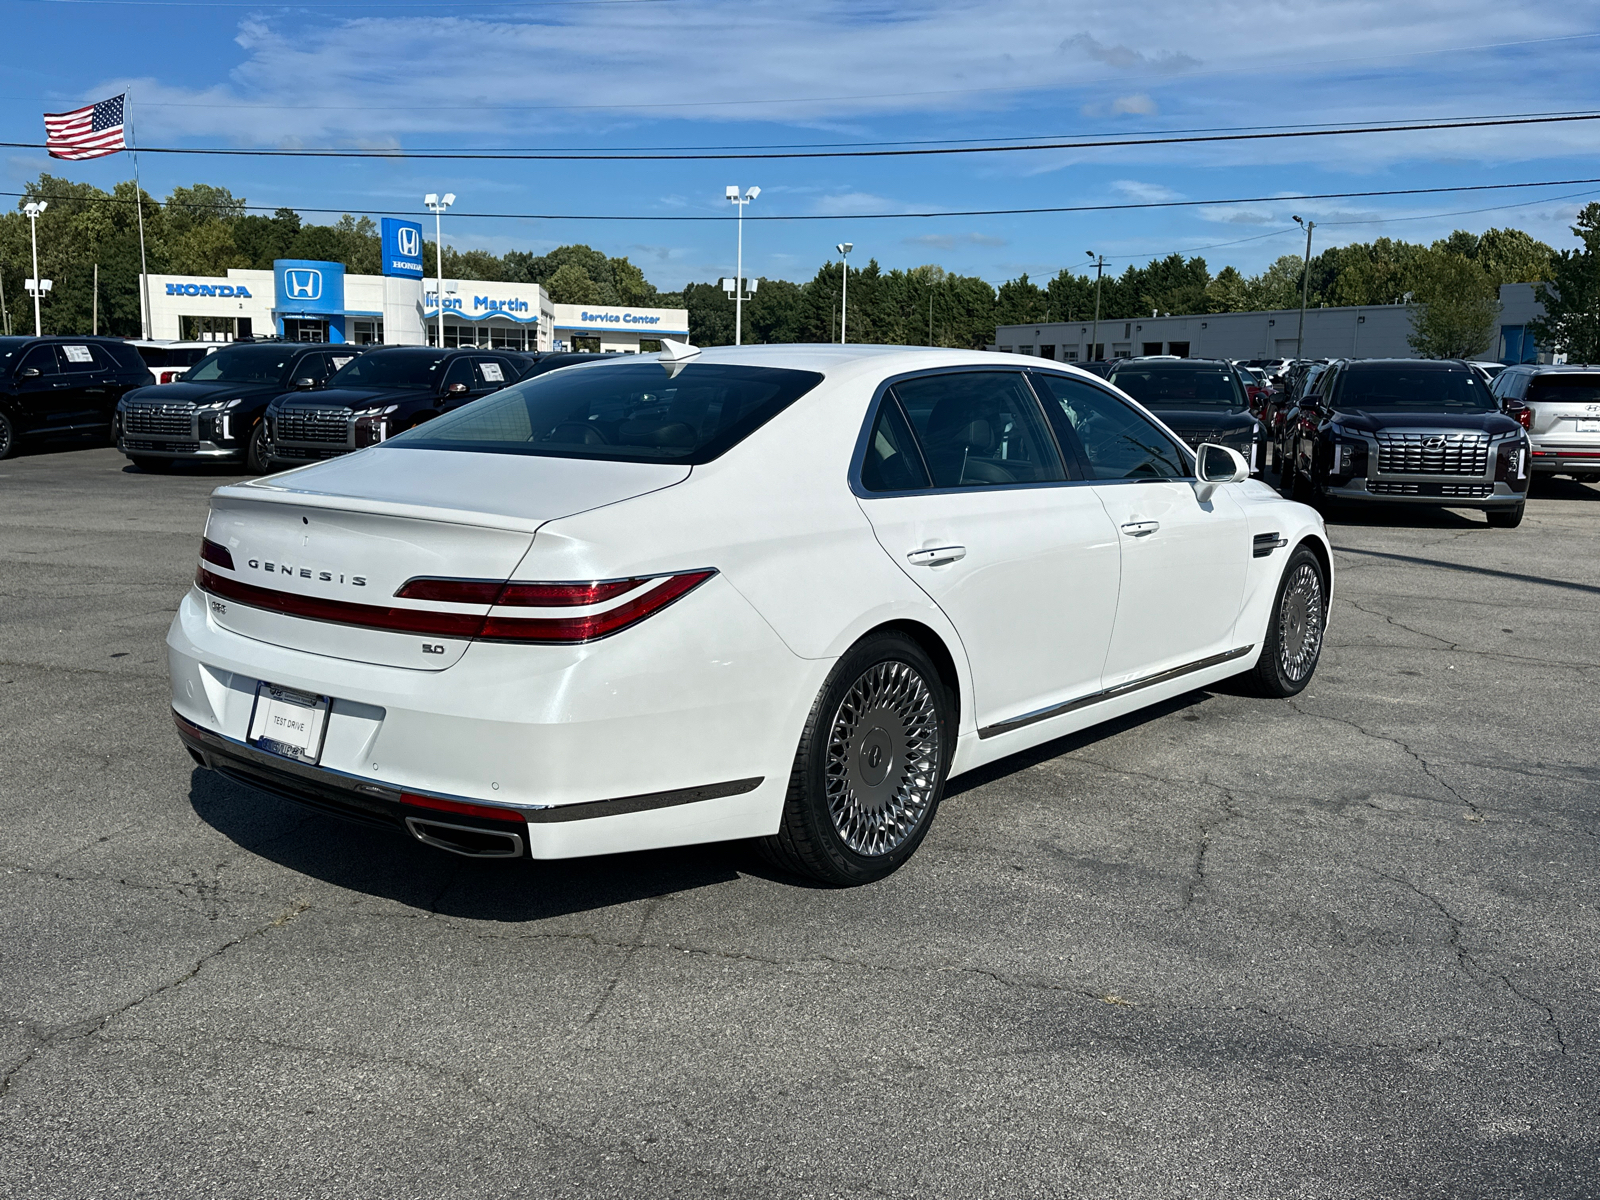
(779, 592)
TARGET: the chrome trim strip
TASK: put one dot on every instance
(1122, 689)
(642, 803)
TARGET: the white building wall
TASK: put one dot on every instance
(618, 328)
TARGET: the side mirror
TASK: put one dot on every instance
(457, 389)
(1217, 465)
(304, 384)
(28, 373)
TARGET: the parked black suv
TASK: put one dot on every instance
(380, 394)
(59, 387)
(212, 413)
(1200, 399)
(1409, 431)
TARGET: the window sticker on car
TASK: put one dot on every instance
(492, 372)
(340, 360)
(78, 354)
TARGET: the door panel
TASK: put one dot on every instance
(1026, 574)
(1183, 563)
(81, 386)
(43, 400)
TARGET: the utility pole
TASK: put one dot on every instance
(1094, 337)
(844, 249)
(1305, 289)
(95, 327)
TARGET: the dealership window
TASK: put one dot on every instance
(366, 333)
(1152, 348)
(1181, 349)
(1047, 351)
(302, 329)
(1070, 354)
(587, 345)
(503, 337)
(207, 329)
(649, 345)
(1121, 349)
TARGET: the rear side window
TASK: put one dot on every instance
(76, 357)
(892, 463)
(640, 410)
(979, 428)
(1565, 388)
(1115, 440)
(1158, 387)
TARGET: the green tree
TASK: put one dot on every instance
(571, 284)
(1571, 321)
(1456, 309)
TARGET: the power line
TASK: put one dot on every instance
(881, 216)
(748, 156)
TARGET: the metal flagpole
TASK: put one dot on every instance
(138, 207)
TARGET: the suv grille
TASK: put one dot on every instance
(313, 425)
(1433, 453)
(1386, 487)
(162, 420)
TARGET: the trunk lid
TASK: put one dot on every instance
(352, 531)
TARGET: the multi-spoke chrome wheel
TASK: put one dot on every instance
(883, 758)
(1300, 623)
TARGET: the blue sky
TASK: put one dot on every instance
(669, 73)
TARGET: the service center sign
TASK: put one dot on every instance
(402, 248)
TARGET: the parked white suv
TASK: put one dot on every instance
(1564, 403)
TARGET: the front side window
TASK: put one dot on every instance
(240, 364)
(41, 359)
(635, 410)
(979, 428)
(1116, 441)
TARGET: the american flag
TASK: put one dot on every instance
(92, 131)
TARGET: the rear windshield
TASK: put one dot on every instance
(240, 364)
(1565, 389)
(416, 368)
(632, 411)
(1180, 387)
(1412, 389)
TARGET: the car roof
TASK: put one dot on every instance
(1425, 364)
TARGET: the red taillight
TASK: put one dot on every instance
(592, 625)
(521, 595)
(662, 591)
(1523, 415)
(463, 808)
(213, 552)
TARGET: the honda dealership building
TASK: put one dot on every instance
(303, 300)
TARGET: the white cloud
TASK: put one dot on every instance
(1124, 57)
(1138, 102)
(1138, 190)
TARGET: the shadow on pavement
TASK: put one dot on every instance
(377, 863)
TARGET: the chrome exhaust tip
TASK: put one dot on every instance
(466, 840)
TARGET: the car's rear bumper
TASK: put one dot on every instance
(1548, 459)
(680, 730)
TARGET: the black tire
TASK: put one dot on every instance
(1506, 518)
(8, 437)
(871, 766)
(257, 455)
(1293, 642)
(151, 465)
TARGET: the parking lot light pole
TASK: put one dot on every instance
(844, 249)
(438, 204)
(732, 193)
(1099, 269)
(33, 208)
(1305, 288)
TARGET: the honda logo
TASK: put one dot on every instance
(408, 241)
(303, 284)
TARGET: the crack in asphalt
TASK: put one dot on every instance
(1355, 604)
(631, 950)
(1427, 767)
(89, 1026)
(1197, 875)
(1469, 963)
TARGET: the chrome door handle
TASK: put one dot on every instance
(937, 556)
(1141, 528)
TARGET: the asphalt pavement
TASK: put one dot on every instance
(1342, 946)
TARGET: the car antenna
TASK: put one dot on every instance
(675, 355)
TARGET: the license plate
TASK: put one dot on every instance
(288, 723)
(1589, 426)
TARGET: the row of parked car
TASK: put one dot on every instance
(269, 405)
